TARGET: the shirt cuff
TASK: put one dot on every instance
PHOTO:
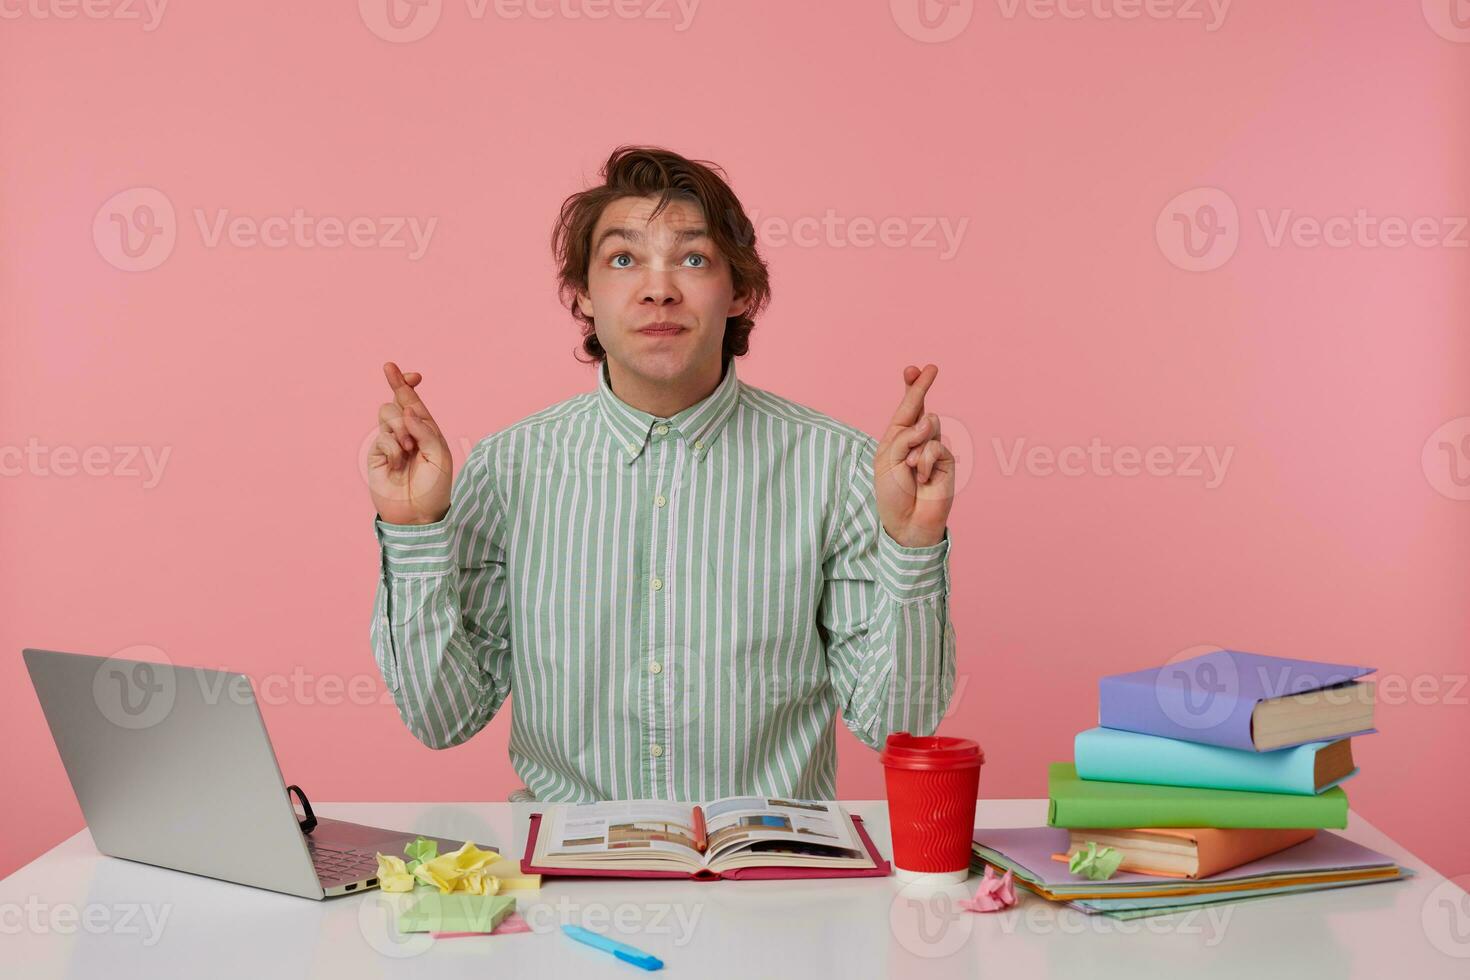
(907, 573)
(415, 549)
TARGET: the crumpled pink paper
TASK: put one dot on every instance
(994, 893)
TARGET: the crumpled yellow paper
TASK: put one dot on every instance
(459, 871)
(393, 874)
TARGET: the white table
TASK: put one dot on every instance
(75, 913)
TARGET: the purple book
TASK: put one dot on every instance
(1210, 698)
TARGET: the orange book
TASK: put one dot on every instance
(1186, 852)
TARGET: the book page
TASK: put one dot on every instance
(760, 822)
(634, 829)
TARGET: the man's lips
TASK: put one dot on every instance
(662, 329)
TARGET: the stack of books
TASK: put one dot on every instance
(1225, 767)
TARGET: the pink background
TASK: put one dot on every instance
(1061, 318)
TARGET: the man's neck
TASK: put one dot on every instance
(664, 399)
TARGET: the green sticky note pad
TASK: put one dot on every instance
(434, 911)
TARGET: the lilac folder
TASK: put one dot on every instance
(1210, 698)
(1032, 848)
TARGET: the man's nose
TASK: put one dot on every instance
(659, 288)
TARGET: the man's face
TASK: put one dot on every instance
(666, 271)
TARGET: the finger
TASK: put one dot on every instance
(928, 456)
(940, 482)
(403, 391)
(913, 457)
(422, 430)
(911, 408)
(909, 374)
(390, 419)
(388, 448)
(395, 377)
(412, 377)
(897, 449)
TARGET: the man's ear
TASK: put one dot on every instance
(739, 304)
(584, 303)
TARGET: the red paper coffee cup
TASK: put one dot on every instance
(933, 782)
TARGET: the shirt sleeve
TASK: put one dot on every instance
(441, 619)
(885, 617)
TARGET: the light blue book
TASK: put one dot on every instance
(1119, 756)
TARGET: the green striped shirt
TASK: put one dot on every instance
(681, 605)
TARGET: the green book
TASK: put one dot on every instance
(1094, 803)
(435, 911)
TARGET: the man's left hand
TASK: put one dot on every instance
(913, 472)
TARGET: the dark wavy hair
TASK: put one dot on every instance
(648, 171)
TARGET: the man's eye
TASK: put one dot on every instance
(702, 261)
(621, 255)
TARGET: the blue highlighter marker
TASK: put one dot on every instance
(622, 951)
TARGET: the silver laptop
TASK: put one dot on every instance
(172, 767)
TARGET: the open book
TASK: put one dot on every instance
(733, 837)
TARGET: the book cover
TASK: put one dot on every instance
(1079, 802)
(1211, 698)
(1131, 757)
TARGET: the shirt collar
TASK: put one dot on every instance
(699, 424)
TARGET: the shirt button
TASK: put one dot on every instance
(632, 447)
(657, 583)
(659, 501)
(661, 429)
(655, 750)
(698, 443)
(655, 668)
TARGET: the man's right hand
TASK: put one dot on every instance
(410, 467)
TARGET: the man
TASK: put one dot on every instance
(683, 578)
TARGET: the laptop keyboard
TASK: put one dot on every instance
(333, 862)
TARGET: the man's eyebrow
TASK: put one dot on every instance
(635, 236)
